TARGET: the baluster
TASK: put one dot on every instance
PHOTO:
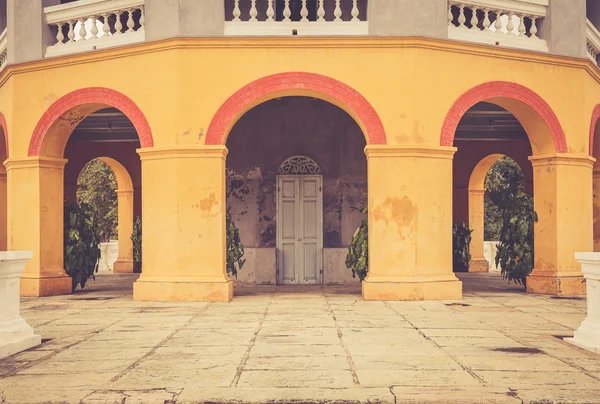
(461, 16)
(270, 12)
(130, 22)
(71, 33)
(450, 15)
(355, 11)
(522, 25)
(82, 31)
(236, 10)
(486, 19)
(533, 30)
(118, 23)
(94, 28)
(510, 27)
(304, 12)
(498, 23)
(321, 11)
(287, 12)
(338, 11)
(60, 37)
(253, 11)
(106, 26)
(142, 19)
(474, 20)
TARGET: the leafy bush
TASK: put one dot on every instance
(81, 243)
(461, 242)
(515, 251)
(136, 238)
(97, 187)
(358, 252)
(235, 249)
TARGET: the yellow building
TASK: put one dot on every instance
(433, 92)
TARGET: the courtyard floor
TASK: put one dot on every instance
(498, 345)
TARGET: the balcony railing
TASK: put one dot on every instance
(3, 48)
(296, 17)
(86, 25)
(593, 42)
(509, 23)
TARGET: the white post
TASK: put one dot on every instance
(588, 334)
(15, 334)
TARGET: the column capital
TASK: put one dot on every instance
(34, 162)
(562, 159)
(388, 151)
(478, 191)
(124, 192)
(158, 153)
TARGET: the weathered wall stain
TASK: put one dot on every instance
(400, 211)
(207, 204)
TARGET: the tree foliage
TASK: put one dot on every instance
(81, 251)
(97, 187)
(504, 177)
(461, 247)
(504, 184)
(136, 239)
(357, 258)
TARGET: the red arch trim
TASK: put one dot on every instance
(5, 130)
(496, 89)
(595, 118)
(236, 105)
(91, 95)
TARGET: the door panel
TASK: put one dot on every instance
(299, 229)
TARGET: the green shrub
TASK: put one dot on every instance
(81, 243)
(235, 249)
(358, 252)
(461, 242)
(136, 238)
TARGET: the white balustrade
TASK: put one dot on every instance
(593, 42)
(588, 334)
(15, 334)
(3, 49)
(296, 17)
(508, 23)
(86, 25)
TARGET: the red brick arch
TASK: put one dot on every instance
(5, 133)
(90, 95)
(295, 83)
(595, 118)
(503, 89)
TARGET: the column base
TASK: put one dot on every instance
(182, 291)
(16, 336)
(123, 267)
(587, 336)
(42, 286)
(411, 290)
(478, 266)
(556, 285)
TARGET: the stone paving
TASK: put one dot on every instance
(284, 344)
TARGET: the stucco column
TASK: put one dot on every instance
(410, 224)
(563, 201)
(477, 224)
(124, 262)
(35, 222)
(3, 211)
(596, 208)
(183, 225)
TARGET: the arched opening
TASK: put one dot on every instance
(595, 153)
(486, 134)
(107, 187)
(296, 188)
(3, 185)
(87, 124)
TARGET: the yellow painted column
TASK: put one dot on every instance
(596, 208)
(410, 224)
(476, 223)
(124, 262)
(563, 201)
(35, 222)
(3, 210)
(183, 225)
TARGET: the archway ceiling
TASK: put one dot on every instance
(106, 125)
